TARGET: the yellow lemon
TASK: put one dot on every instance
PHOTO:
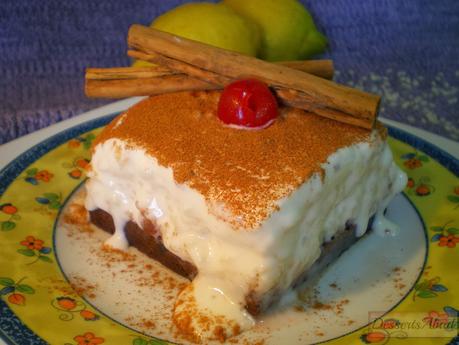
(214, 24)
(287, 29)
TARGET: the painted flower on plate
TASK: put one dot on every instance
(88, 338)
(449, 241)
(43, 175)
(32, 243)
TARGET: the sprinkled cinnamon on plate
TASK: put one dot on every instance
(247, 172)
(83, 287)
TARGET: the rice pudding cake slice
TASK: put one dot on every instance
(244, 214)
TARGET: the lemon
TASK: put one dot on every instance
(287, 29)
(214, 24)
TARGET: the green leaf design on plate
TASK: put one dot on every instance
(26, 252)
(142, 341)
(139, 341)
(157, 342)
(436, 228)
(55, 205)
(453, 231)
(51, 196)
(8, 225)
(45, 258)
(423, 158)
(24, 288)
(32, 172)
(453, 198)
(427, 294)
(6, 281)
(88, 140)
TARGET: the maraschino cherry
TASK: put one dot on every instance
(247, 103)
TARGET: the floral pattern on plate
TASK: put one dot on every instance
(31, 279)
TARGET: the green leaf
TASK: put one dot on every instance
(24, 288)
(139, 341)
(55, 205)
(453, 198)
(90, 136)
(427, 294)
(32, 172)
(6, 281)
(453, 231)
(51, 196)
(45, 258)
(157, 342)
(436, 228)
(26, 252)
(8, 225)
(423, 158)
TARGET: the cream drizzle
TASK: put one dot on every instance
(125, 181)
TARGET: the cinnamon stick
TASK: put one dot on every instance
(123, 82)
(320, 68)
(121, 88)
(215, 65)
(291, 98)
(127, 73)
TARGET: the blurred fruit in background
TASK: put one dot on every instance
(214, 24)
(273, 30)
(287, 29)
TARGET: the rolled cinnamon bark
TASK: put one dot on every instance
(218, 66)
(143, 81)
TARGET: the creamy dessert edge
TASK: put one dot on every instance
(298, 203)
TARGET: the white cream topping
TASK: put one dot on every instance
(203, 300)
(359, 182)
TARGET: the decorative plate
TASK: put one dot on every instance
(56, 287)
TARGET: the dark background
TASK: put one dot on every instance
(406, 50)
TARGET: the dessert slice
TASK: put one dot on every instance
(246, 214)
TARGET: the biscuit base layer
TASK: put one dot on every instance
(147, 241)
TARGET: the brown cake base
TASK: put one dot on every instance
(149, 242)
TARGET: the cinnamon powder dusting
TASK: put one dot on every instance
(198, 325)
(245, 171)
